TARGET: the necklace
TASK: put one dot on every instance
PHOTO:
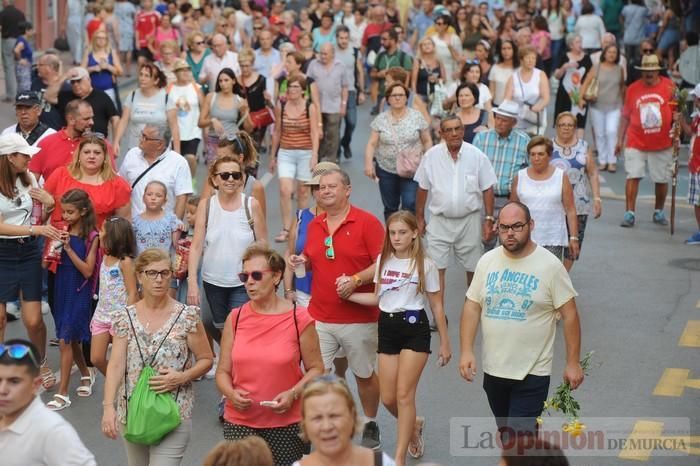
(566, 150)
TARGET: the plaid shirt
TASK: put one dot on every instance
(507, 155)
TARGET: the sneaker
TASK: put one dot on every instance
(695, 239)
(54, 342)
(371, 437)
(628, 220)
(659, 217)
(45, 308)
(12, 312)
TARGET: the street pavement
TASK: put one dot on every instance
(639, 292)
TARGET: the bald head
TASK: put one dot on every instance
(219, 45)
(327, 53)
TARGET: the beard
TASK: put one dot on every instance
(516, 246)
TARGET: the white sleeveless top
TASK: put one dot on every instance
(527, 93)
(228, 235)
(543, 198)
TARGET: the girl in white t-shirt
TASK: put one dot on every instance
(404, 278)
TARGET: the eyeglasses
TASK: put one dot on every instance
(18, 352)
(516, 227)
(439, 23)
(256, 275)
(456, 129)
(330, 252)
(226, 175)
(201, 42)
(647, 51)
(294, 86)
(153, 274)
(397, 95)
(565, 125)
(146, 138)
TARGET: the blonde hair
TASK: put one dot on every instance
(246, 54)
(191, 38)
(107, 172)
(150, 256)
(323, 385)
(168, 44)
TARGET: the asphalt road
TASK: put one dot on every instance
(638, 296)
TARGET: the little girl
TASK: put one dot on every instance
(117, 284)
(155, 228)
(72, 303)
(24, 56)
(403, 278)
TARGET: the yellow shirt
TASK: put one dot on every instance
(519, 298)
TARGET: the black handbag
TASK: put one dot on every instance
(61, 44)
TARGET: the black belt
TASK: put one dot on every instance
(507, 196)
(20, 240)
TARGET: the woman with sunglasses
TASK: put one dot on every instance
(329, 421)
(103, 64)
(197, 51)
(448, 46)
(20, 252)
(263, 346)
(160, 329)
(428, 70)
(149, 104)
(226, 224)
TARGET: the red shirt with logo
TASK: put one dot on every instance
(146, 24)
(357, 243)
(649, 113)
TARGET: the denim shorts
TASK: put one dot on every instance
(396, 333)
(222, 300)
(294, 164)
(20, 269)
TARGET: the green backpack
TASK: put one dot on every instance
(150, 416)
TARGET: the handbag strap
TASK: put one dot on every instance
(522, 89)
(143, 173)
(296, 327)
(153, 358)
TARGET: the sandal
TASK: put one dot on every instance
(58, 403)
(417, 445)
(602, 167)
(86, 390)
(48, 378)
(612, 168)
(282, 236)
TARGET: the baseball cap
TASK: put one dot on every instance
(14, 143)
(319, 170)
(77, 73)
(27, 99)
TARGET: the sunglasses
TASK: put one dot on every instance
(93, 135)
(153, 274)
(226, 175)
(647, 51)
(256, 275)
(472, 62)
(201, 42)
(330, 252)
(18, 352)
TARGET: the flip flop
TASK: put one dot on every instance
(86, 390)
(417, 446)
(58, 403)
(282, 236)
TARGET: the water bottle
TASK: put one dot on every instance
(37, 212)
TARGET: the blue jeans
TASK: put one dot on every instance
(396, 191)
(516, 403)
(557, 52)
(222, 300)
(350, 119)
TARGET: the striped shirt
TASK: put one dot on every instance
(296, 132)
(507, 155)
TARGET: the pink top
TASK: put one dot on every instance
(536, 38)
(162, 36)
(265, 362)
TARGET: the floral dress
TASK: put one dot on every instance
(155, 233)
(572, 160)
(112, 295)
(397, 136)
(174, 352)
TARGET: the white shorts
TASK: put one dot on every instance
(458, 236)
(294, 163)
(660, 164)
(357, 341)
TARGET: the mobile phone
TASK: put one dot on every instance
(269, 404)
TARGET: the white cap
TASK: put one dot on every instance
(696, 90)
(14, 143)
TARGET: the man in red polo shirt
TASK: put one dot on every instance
(57, 149)
(645, 133)
(342, 246)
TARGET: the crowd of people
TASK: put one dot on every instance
(103, 223)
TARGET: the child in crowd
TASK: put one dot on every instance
(404, 278)
(73, 288)
(693, 129)
(154, 227)
(117, 284)
(24, 57)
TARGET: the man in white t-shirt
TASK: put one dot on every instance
(154, 160)
(518, 289)
(460, 179)
(30, 433)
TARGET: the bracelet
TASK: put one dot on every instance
(289, 290)
(108, 403)
(295, 395)
(358, 281)
(573, 238)
(490, 218)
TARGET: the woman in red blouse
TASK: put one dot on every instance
(91, 171)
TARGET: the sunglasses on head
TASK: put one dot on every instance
(18, 352)
(93, 134)
(256, 275)
(226, 175)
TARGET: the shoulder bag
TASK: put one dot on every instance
(407, 161)
(591, 94)
(259, 118)
(152, 415)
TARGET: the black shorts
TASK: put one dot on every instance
(582, 220)
(20, 269)
(396, 334)
(189, 147)
(145, 53)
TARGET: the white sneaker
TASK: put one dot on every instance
(45, 308)
(12, 310)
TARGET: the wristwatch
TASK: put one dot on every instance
(490, 217)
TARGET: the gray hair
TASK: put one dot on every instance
(344, 177)
(570, 39)
(162, 132)
(450, 117)
(53, 60)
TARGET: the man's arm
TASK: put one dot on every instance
(573, 373)
(53, 89)
(469, 324)
(180, 205)
(421, 198)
